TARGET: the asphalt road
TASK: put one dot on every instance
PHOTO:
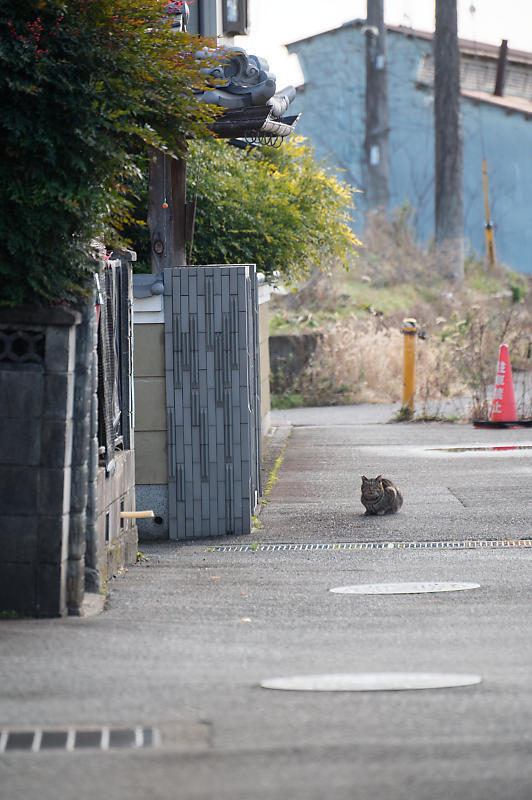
(189, 634)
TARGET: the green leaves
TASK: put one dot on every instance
(85, 86)
(278, 208)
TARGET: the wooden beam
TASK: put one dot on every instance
(166, 212)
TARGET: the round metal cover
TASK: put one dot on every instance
(404, 588)
(370, 682)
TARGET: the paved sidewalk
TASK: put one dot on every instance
(188, 635)
(449, 493)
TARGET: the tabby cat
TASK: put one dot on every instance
(380, 496)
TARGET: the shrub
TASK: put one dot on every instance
(281, 209)
(85, 86)
(472, 344)
(361, 361)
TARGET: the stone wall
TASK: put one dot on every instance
(212, 399)
(290, 354)
(60, 527)
(37, 363)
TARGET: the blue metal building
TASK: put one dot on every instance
(498, 128)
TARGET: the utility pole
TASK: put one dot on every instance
(448, 141)
(376, 144)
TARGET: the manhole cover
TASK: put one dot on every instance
(404, 588)
(482, 448)
(370, 682)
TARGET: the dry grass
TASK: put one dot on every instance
(361, 361)
(359, 358)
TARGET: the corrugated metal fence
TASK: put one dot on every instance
(212, 399)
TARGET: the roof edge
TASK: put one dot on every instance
(466, 45)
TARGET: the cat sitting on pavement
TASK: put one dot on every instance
(379, 496)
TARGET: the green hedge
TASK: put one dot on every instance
(85, 86)
(281, 208)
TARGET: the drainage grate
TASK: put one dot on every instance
(104, 738)
(464, 544)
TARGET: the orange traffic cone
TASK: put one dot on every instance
(503, 405)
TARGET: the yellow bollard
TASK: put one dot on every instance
(409, 330)
(488, 227)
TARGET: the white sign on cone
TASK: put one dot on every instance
(503, 407)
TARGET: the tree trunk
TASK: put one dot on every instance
(448, 141)
(376, 144)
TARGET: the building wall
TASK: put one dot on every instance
(150, 402)
(332, 107)
(151, 471)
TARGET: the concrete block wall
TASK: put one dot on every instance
(60, 527)
(37, 363)
(116, 538)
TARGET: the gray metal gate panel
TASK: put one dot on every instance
(212, 399)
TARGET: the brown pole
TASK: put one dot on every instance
(376, 144)
(166, 212)
(448, 141)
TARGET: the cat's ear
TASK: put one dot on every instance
(363, 477)
(378, 478)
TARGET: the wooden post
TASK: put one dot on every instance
(167, 210)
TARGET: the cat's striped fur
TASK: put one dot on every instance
(379, 496)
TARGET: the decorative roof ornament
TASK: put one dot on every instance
(242, 80)
(243, 84)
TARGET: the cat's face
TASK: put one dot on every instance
(372, 487)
